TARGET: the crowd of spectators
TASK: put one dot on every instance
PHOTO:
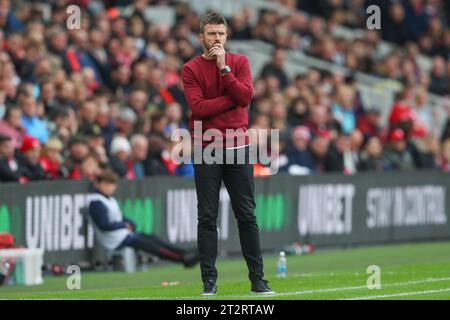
(109, 94)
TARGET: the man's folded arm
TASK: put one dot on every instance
(240, 86)
(201, 107)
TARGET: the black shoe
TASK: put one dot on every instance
(190, 259)
(209, 288)
(260, 286)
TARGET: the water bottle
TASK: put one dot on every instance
(281, 265)
(129, 257)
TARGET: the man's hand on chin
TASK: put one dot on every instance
(218, 52)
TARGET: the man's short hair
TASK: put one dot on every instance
(107, 176)
(212, 18)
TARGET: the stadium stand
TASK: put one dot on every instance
(345, 98)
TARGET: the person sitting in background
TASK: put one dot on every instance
(319, 146)
(275, 67)
(78, 150)
(370, 157)
(444, 157)
(90, 167)
(424, 149)
(51, 159)
(369, 122)
(33, 125)
(88, 114)
(299, 156)
(186, 168)
(339, 157)
(125, 123)
(397, 152)
(115, 232)
(9, 169)
(139, 152)
(12, 127)
(155, 165)
(343, 108)
(29, 165)
(119, 153)
(61, 124)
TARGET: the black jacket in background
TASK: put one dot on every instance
(31, 171)
(6, 174)
(334, 161)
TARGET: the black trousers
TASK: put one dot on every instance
(238, 180)
(154, 245)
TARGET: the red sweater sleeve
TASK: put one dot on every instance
(240, 87)
(201, 107)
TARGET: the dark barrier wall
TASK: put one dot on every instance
(327, 210)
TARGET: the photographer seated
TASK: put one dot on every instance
(114, 231)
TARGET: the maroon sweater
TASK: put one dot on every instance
(219, 102)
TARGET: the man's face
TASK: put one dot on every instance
(212, 34)
(15, 118)
(138, 100)
(33, 155)
(28, 105)
(78, 151)
(343, 143)
(140, 150)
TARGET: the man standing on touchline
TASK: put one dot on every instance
(218, 87)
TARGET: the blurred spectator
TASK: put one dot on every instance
(29, 165)
(371, 156)
(298, 111)
(240, 29)
(275, 67)
(88, 115)
(319, 149)
(125, 123)
(137, 101)
(11, 126)
(298, 153)
(425, 151)
(440, 83)
(173, 114)
(90, 167)
(343, 108)
(62, 125)
(423, 114)
(317, 121)
(369, 123)
(78, 150)
(444, 157)
(120, 152)
(339, 156)
(397, 152)
(396, 28)
(51, 159)
(186, 168)
(9, 168)
(154, 164)
(159, 124)
(8, 20)
(31, 122)
(105, 122)
(139, 152)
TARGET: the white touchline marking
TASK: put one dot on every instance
(253, 296)
(402, 294)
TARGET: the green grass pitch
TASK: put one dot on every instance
(408, 271)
